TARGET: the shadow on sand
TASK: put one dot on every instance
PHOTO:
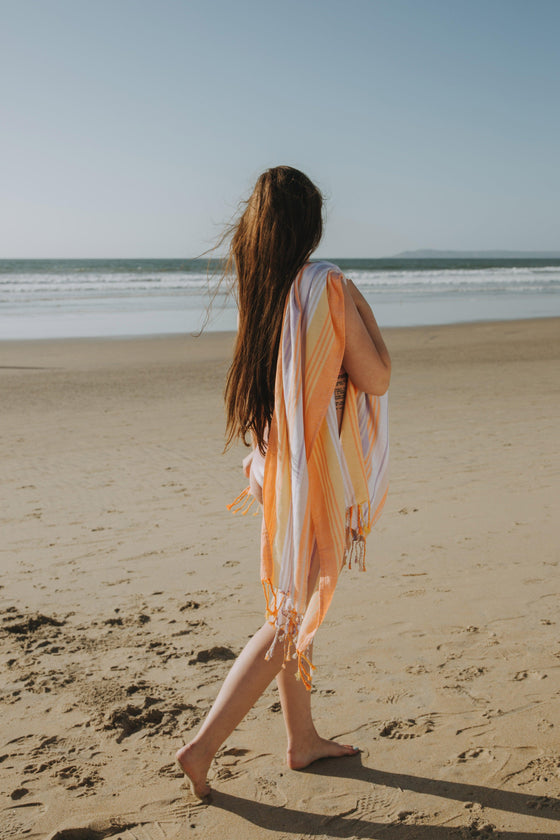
(295, 822)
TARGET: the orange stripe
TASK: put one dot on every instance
(330, 497)
(316, 357)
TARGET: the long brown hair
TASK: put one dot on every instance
(278, 230)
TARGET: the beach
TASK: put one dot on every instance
(127, 587)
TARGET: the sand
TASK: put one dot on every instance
(126, 587)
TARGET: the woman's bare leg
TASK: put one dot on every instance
(249, 676)
(305, 745)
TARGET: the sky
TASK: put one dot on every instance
(133, 128)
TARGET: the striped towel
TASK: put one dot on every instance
(322, 490)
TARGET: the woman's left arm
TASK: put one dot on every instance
(366, 358)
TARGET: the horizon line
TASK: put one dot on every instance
(421, 253)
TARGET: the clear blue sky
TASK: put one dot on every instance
(131, 128)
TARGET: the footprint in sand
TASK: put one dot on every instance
(268, 791)
(540, 803)
(392, 698)
(18, 820)
(416, 669)
(81, 779)
(546, 768)
(382, 802)
(330, 804)
(166, 818)
(413, 818)
(480, 829)
(406, 729)
(474, 753)
(189, 605)
(151, 717)
(219, 652)
(228, 773)
(171, 770)
(470, 673)
(529, 675)
(52, 755)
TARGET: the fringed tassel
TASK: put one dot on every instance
(271, 599)
(287, 621)
(359, 551)
(242, 504)
(356, 531)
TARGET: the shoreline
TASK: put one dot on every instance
(157, 316)
(176, 336)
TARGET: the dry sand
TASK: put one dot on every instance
(126, 586)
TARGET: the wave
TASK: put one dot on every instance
(60, 282)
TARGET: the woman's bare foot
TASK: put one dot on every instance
(306, 753)
(195, 766)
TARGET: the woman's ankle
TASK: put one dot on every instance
(302, 737)
(198, 749)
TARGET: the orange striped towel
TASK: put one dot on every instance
(322, 491)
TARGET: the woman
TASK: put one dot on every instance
(308, 352)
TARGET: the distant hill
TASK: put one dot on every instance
(430, 254)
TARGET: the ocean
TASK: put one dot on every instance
(90, 298)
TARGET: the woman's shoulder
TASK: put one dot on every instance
(323, 265)
(321, 269)
(316, 277)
